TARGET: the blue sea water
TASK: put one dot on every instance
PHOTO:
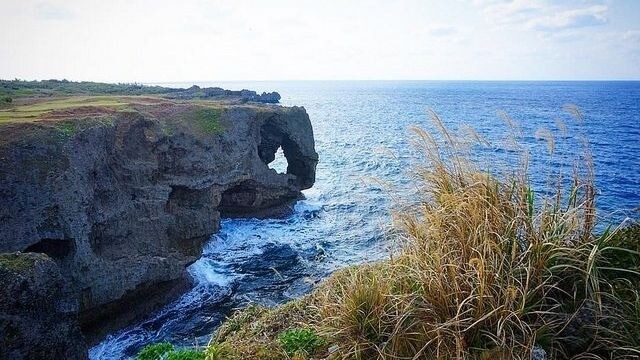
(362, 137)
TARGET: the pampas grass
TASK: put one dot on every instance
(487, 269)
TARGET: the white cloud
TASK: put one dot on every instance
(511, 12)
(570, 19)
(631, 36)
(540, 15)
(50, 11)
(441, 30)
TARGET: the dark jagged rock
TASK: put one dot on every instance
(38, 311)
(216, 93)
(123, 206)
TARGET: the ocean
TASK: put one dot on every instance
(363, 139)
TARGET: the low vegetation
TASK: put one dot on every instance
(299, 341)
(155, 351)
(487, 269)
(22, 88)
(185, 354)
(57, 120)
(18, 262)
(74, 107)
(208, 119)
(166, 351)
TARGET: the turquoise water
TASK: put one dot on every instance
(362, 137)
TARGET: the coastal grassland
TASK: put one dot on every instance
(21, 88)
(75, 106)
(488, 269)
(66, 113)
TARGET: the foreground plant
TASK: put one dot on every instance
(299, 341)
(166, 351)
(487, 270)
(155, 351)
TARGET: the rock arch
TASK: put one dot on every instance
(301, 162)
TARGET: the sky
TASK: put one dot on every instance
(214, 40)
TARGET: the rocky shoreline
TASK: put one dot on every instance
(121, 202)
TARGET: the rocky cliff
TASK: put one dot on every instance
(123, 198)
(38, 313)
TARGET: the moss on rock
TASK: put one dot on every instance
(20, 262)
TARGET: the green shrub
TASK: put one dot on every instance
(154, 351)
(219, 352)
(295, 341)
(186, 354)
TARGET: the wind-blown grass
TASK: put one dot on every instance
(487, 270)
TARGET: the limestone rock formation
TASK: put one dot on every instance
(38, 312)
(244, 95)
(123, 205)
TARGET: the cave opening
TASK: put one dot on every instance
(239, 199)
(55, 248)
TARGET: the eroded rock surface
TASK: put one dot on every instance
(196, 92)
(38, 311)
(123, 205)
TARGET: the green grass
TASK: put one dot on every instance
(155, 351)
(185, 354)
(166, 351)
(252, 334)
(208, 119)
(74, 106)
(299, 341)
(37, 110)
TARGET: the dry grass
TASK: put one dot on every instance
(487, 270)
(252, 334)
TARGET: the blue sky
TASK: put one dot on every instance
(188, 40)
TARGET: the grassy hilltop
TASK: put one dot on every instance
(42, 108)
(15, 89)
(26, 101)
(488, 269)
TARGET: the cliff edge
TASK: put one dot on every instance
(122, 191)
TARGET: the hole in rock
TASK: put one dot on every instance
(279, 164)
(275, 143)
(55, 248)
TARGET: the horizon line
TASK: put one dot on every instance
(329, 80)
